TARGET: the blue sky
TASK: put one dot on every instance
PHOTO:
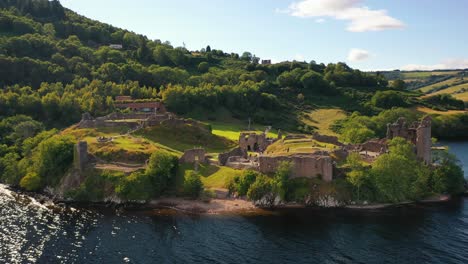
(366, 34)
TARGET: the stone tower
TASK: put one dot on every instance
(81, 155)
(424, 140)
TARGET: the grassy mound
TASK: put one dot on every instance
(212, 176)
(122, 148)
(322, 119)
(185, 137)
(294, 146)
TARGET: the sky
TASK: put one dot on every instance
(366, 34)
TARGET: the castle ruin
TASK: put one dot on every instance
(303, 165)
(418, 133)
(252, 141)
(196, 155)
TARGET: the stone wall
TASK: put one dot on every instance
(251, 141)
(81, 158)
(237, 152)
(303, 165)
(194, 155)
(418, 133)
(374, 145)
(424, 140)
(327, 139)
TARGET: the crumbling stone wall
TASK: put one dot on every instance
(81, 158)
(251, 141)
(303, 165)
(374, 145)
(194, 155)
(418, 133)
(327, 139)
(237, 152)
(424, 140)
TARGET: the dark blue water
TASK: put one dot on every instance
(32, 233)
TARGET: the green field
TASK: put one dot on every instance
(425, 74)
(449, 82)
(186, 137)
(232, 130)
(294, 146)
(212, 176)
(452, 90)
(322, 119)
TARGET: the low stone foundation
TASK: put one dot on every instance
(237, 152)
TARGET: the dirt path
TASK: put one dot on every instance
(123, 167)
(214, 206)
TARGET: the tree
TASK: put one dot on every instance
(246, 56)
(242, 183)
(31, 182)
(262, 191)
(52, 158)
(283, 172)
(358, 174)
(208, 49)
(388, 99)
(203, 67)
(398, 175)
(398, 85)
(313, 81)
(448, 176)
(161, 170)
(9, 172)
(193, 185)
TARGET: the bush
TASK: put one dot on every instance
(444, 102)
(193, 185)
(448, 177)
(283, 172)
(388, 99)
(161, 171)
(398, 175)
(243, 182)
(31, 182)
(203, 67)
(260, 188)
(136, 187)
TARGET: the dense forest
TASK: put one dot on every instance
(56, 64)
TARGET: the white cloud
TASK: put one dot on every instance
(320, 20)
(356, 55)
(299, 57)
(445, 65)
(361, 18)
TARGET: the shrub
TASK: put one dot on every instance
(193, 185)
(31, 182)
(136, 187)
(242, 183)
(161, 171)
(388, 99)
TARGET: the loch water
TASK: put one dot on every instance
(33, 233)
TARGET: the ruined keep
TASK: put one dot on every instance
(81, 158)
(251, 141)
(418, 133)
(303, 165)
(194, 156)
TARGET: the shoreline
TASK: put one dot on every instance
(217, 206)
